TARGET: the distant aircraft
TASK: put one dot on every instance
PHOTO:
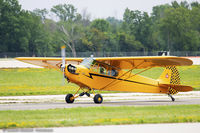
(115, 74)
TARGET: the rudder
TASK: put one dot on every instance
(170, 76)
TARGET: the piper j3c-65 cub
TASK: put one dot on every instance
(115, 74)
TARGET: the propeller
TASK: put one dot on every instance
(63, 63)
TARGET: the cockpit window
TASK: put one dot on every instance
(103, 68)
(114, 72)
(99, 67)
(87, 62)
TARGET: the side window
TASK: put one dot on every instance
(94, 67)
(109, 72)
(102, 70)
(114, 72)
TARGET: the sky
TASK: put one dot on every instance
(98, 8)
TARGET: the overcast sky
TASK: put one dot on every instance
(99, 8)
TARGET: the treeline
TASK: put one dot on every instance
(174, 27)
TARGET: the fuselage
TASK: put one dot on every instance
(104, 77)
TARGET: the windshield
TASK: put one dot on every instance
(87, 62)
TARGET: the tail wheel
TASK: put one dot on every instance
(173, 99)
(69, 98)
(98, 99)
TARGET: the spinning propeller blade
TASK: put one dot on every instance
(63, 63)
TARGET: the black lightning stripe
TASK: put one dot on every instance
(98, 75)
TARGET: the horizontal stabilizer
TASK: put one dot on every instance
(181, 88)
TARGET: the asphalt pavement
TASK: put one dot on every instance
(136, 128)
(112, 99)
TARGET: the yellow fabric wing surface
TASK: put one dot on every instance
(49, 62)
(144, 62)
(119, 62)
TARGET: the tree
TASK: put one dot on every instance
(10, 11)
(158, 12)
(101, 25)
(114, 24)
(65, 12)
(177, 29)
(174, 27)
(95, 40)
(195, 16)
(69, 25)
(99, 38)
(42, 13)
(85, 18)
(21, 31)
(127, 43)
(139, 25)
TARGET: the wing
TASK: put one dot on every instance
(49, 62)
(144, 62)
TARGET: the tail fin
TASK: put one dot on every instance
(170, 76)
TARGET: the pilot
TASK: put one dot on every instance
(102, 70)
(113, 72)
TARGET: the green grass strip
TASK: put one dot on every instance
(99, 116)
(35, 81)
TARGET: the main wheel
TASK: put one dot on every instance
(98, 99)
(69, 98)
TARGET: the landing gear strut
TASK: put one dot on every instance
(84, 93)
(98, 99)
(173, 99)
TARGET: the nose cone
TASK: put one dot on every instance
(77, 74)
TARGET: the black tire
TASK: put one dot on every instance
(98, 99)
(173, 99)
(69, 99)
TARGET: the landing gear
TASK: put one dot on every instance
(173, 99)
(98, 99)
(69, 98)
(84, 93)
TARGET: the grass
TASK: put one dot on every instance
(190, 75)
(35, 81)
(99, 116)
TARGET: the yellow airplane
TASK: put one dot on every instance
(115, 74)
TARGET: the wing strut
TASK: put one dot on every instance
(129, 71)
